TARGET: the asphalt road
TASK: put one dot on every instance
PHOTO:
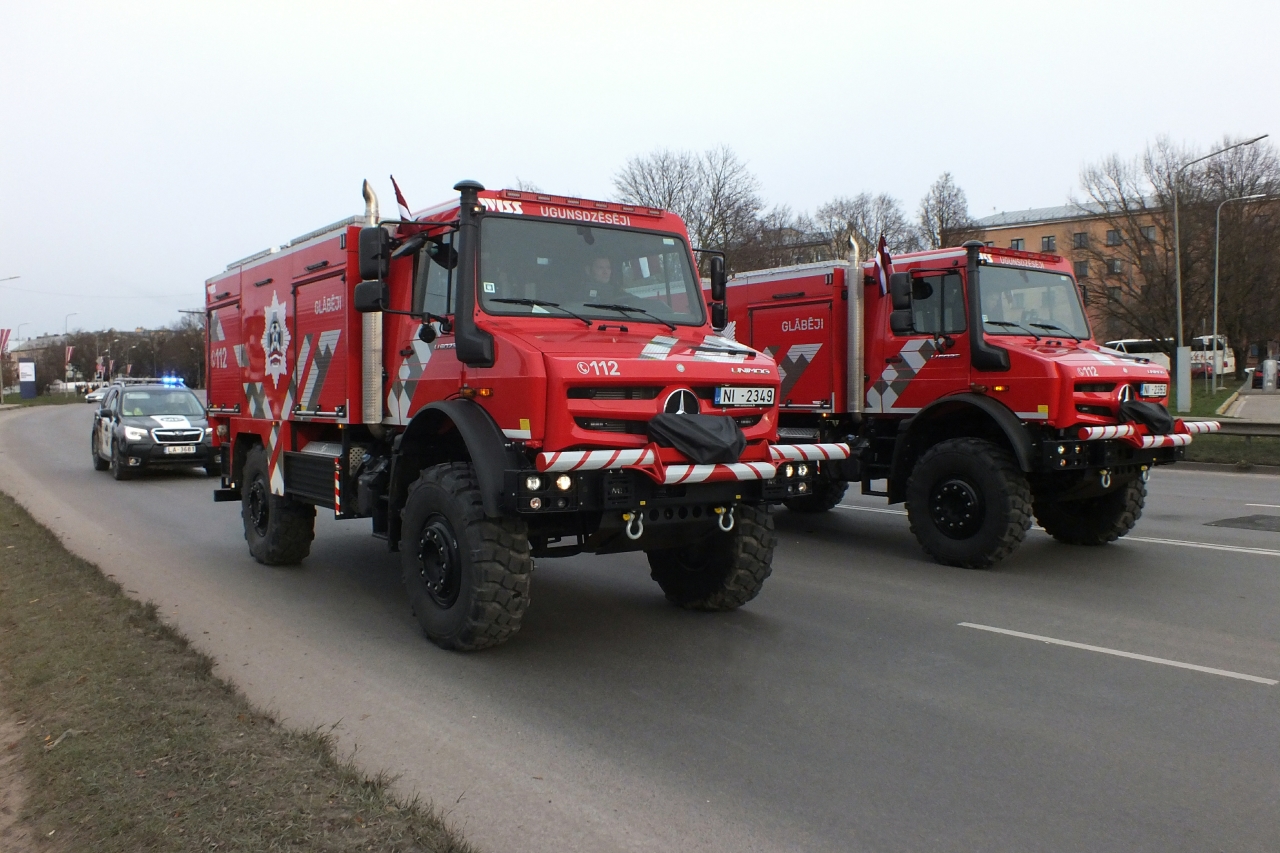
(846, 709)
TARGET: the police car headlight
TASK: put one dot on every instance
(134, 434)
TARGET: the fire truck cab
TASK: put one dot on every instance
(969, 386)
(504, 376)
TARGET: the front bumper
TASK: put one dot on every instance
(648, 460)
(146, 454)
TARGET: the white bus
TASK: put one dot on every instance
(1201, 352)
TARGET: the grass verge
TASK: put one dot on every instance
(130, 743)
(1235, 449)
(44, 400)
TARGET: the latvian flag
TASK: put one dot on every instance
(405, 213)
(4, 340)
(884, 265)
(69, 351)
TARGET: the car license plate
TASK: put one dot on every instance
(727, 396)
(180, 448)
(1154, 389)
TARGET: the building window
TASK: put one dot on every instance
(1049, 244)
(1081, 269)
(1017, 244)
(1113, 293)
(1115, 266)
(1149, 232)
(1113, 238)
(990, 243)
(1080, 240)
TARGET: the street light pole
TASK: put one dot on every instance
(1217, 238)
(1184, 388)
(66, 362)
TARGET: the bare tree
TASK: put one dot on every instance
(713, 192)
(865, 217)
(944, 218)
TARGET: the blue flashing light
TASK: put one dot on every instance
(172, 381)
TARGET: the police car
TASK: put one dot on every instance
(151, 423)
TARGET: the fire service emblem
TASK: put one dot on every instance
(275, 340)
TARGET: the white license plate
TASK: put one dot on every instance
(180, 448)
(1154, 389)
(726, 396)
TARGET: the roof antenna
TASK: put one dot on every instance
(370, 205)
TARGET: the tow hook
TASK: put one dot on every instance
(1105, 479)
(1146, 473)
(635, 524)
(726, 518)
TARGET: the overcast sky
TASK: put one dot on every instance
(144, 146)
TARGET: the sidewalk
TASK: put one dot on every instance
(1255, 406)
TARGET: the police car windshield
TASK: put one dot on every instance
(580, 266)
(160, 401)
(1027, 297)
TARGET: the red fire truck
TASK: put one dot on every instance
(971, 387)
(505, 376)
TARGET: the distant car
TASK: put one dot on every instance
(141, 426)
(95, 396)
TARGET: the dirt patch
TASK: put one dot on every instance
(130, 743)
(15, 836)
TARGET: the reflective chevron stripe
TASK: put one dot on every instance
(1094, 433)
(809, 452)
(1198, 427)
(1176, 440)
(593, 460)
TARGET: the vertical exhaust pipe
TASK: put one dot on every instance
(855, 363)
(371, 341)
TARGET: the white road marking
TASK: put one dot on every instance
(1211, 546)
(1266, 506)
(881, 509)
(1224, 672)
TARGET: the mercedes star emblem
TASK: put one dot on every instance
(681, 402)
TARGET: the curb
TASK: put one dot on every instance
(1227, 404)
(1226, 468)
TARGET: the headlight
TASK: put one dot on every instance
(564, 482)
(789, 471)
(533, 483)
(802, 469)
(134, 434)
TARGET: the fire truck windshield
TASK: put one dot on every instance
(584, 268)
(1015, 301)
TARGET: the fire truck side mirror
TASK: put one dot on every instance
(719, 316)
(371, 296)
(900, 291)
(900, 322)
(375, 253)
(717, 278)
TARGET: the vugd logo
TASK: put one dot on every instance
(275, 340)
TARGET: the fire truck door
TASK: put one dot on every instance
(226, 357)
(933, 360)
(798, 338)
(320, 318)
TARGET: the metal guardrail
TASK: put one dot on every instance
(1248, 428)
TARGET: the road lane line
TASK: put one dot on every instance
(1212, 546)
(880, 509)
(1224, 672)
(1267, 506)
(1238, 549)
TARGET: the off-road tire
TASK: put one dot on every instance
(968, 472)
(825, 495)
(1094, 521)
(473, 593)
(99, 464)
(120, 469)
(723, 571)
(278, 529)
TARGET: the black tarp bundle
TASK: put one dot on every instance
(1153, 416)
(706, 439)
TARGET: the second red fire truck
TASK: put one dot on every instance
(505, 376)
(969, 387)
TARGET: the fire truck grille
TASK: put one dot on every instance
(617, 392)
(1102, 411)
(1095, 387)
(611, 425)
(177, 436)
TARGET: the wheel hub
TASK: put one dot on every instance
(439, 561)
(956, 508)
(259, 514)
